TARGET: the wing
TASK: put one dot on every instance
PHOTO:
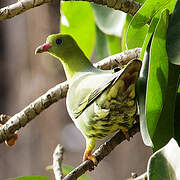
(133, 66)
(92, 96)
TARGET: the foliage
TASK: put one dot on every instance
(156, 29)
(165, 160)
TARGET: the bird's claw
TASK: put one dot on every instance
(12, 140)
(89, 156)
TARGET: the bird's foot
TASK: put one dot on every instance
(88, 156)
(126, 134)
(12, 140)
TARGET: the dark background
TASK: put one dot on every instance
(23, 78)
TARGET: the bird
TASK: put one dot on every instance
(100, 102)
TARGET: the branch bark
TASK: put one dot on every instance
(20, 7)
(127, 6)
(100, 153)
(57, 161)
(141, 177)
(56, 93)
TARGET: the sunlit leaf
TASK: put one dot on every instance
(78, 20)
(125, 29)
(157, 81)
(114, 44)
(155, 92)
(154, 21)
(164, 163)
(148, 35)
(138, 27)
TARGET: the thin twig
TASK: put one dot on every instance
(53, 95)
(141, 177)
(57, 161)
(127, 6)
(100, 153)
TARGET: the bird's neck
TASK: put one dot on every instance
(75, 63)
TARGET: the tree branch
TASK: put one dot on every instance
(20, 7)
(127, 6)
(53, 95)
(119, 59)
(57, 161)
(100, 153)
(32, 110)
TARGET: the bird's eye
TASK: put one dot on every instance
(58, 41)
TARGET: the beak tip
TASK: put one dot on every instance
(35, 52)
(38, 50)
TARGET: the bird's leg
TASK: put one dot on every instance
(90, 145)
(126, 134)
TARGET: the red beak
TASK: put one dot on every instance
(43, 48)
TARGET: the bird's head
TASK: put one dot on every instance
(59, 45)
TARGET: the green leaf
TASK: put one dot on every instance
(138, 27)
(125, 29)
(164, 164)
(141, 89)
(30, 178)
(67, 169)
(102, 49)
(154, 92)
(108, 20)
(173, 36)
(114, 43)
(176, 117)
(149, 34)
(173, 46)
(165, 126)
(157, 83)
(154, 21)
(78, 21)
(135, 36)
(106, 45)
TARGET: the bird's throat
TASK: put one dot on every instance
(75, 65)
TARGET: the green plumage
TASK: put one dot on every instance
(99, 102)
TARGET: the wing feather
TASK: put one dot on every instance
(134, 65)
